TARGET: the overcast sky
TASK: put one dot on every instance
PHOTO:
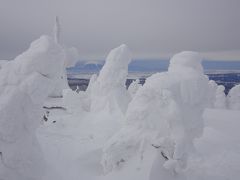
(151, 28)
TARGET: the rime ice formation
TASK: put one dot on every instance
(90, 84)
(216, 95)
(71, 54)
(24, 84)
(212, 93)
(57, 30)
(105, 91)
(220, 102)
(233, 98)
(133, 87)
(169, 108)
(47, 58)
(108, 89)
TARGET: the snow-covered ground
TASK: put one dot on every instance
(73, 148)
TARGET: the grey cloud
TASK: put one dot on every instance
(149, 27)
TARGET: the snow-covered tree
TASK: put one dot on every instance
(217, 97)
(220, 102)
(24, 84)
(90, 84)
(47, 58)
(71, 54)
(108, 90)
(233, 97)
(212, 93)
(57, 30)
(168, 108)
(133, 87)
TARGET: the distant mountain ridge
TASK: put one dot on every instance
(151, 66)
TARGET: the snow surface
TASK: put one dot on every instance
(72, 148)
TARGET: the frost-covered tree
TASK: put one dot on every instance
(90, 84)
(71, 54)
(168, 108)
(217, 97)
(212, 93)
(47, 58)
(133, 87)
(24, 84)
(57, 30)
(220, 102)
(108, 90)
(233, 98)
